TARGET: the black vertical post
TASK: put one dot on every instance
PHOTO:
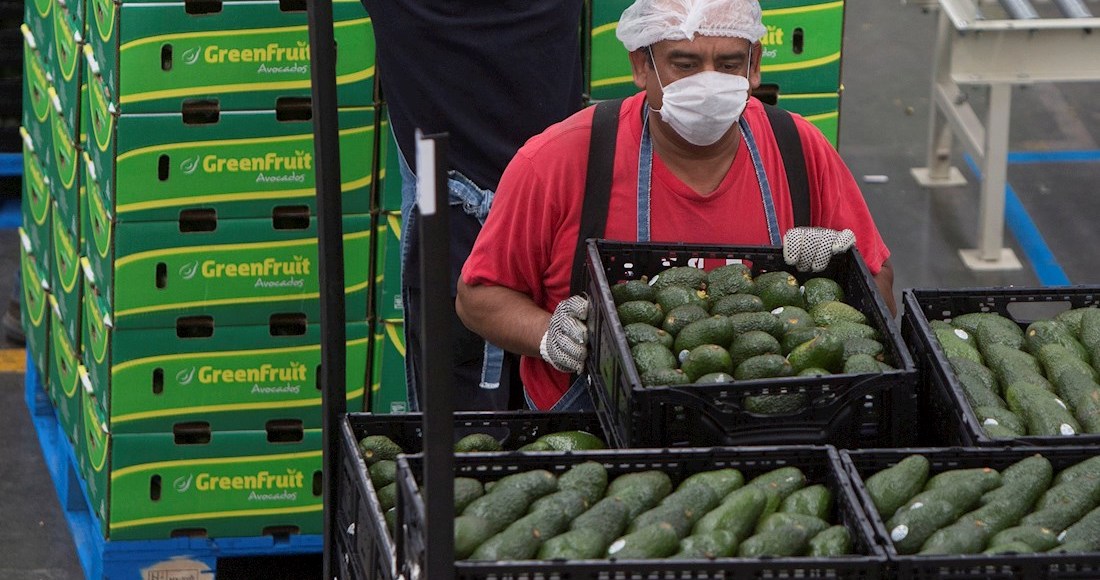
(330, 258)
(435, 326)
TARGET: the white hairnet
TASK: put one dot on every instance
(646, 22)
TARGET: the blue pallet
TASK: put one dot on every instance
(11, 164)
(133, 559)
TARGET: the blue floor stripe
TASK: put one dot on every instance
(1054, 156)
(1027, 234)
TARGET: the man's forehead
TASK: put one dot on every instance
(704, 45)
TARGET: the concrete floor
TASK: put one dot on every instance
(884, 130)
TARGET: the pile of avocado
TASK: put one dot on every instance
(581, 515)
(1024, 509)
(1039, 381)
(688, 326)
(379, 452)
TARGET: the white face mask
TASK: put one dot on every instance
(703, 106)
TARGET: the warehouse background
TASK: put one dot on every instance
(883, 132)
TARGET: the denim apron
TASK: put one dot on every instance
(475, 202)
(577, 397)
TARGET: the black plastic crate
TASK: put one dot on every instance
(820, 464)
(358, 513)
(863, 463)
(846, 410)
(948, 418)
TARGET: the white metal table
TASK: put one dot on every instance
(998, 44)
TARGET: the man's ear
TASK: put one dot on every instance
(754, 71)
(639, 67)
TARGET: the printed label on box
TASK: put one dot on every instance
(155, 56)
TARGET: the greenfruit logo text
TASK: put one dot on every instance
(272, 53)
(270, 161)
(261, 480)
(266, 373)
(296, 266)
(774, 37)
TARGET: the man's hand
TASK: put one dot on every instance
(565, 344)
(809, 249)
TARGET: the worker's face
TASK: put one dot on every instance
(676, 59)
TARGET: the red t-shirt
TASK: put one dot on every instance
(530, 237)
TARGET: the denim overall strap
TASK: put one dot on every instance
(645, 176)
(762, 179)
(645, 179)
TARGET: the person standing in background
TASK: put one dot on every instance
(490, 75)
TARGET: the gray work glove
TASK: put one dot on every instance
(565, 344)
(809, 249)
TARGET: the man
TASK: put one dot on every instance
(695, 161)
(490, 75)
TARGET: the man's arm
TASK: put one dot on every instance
(885, 282)
(502, 316)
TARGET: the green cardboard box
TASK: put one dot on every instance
(35, 309)
(36, 96)
(237, 379)
(803, 45)
(65, 172)
(389, 167)
(245, 164)
(821, 109)
(67, 279)
(63, 65)
(64, 379)
(801, 50)
(388, 393)
(387, 275)
(36, 204)
(76, 10)
(155, 57)
(151, 486)
(239, 272)
(38, 18)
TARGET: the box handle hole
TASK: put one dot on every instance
(201, 112)
(290, 217)
(154, 488)
(202, 6)
(198, 220)
(162, 275)
(293, 109)
(158, 381)
(287, 324)
(284, 431)
(166, 57)
(191, 433)
(799, 40)
(195, 326)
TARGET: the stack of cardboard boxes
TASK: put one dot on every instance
(388, 354)
(185, 333)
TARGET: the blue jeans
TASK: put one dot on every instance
(577, 398)
(479, 388)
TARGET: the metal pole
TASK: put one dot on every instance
(1073, 8)
(995, 172)
(1019, 9)
(330, 258)
(435, 325)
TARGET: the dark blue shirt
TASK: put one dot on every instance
(490, 73)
